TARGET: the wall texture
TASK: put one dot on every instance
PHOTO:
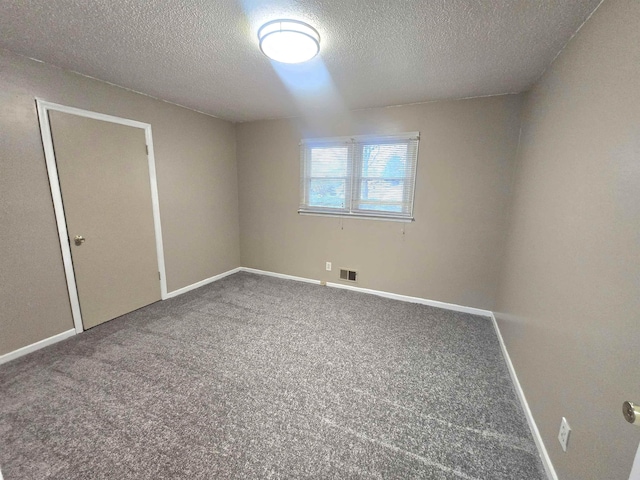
(197, 183)
(570, 293)
(450, 253)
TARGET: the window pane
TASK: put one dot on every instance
(329, 193)
(384, 195)
(381, 208)
(384, 160)
(381, 190)
(329, 161)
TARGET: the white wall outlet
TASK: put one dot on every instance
(328, 266)
(563, 436)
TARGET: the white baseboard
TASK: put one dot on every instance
(279, 275)
(542, 450)
(7, 357)
(394, 296)
(201, 283)
(407, 298)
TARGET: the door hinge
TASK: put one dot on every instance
(147, 148)
(159, 277)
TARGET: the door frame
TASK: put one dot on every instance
(43, 108)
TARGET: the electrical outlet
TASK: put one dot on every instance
(563, 436)
(328, 266)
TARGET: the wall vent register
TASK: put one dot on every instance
(348, 275)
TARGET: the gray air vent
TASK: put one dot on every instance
(348, 275)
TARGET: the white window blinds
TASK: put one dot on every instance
(365, 176)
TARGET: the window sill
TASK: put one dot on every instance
(358, 216)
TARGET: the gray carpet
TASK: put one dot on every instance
(257, 377)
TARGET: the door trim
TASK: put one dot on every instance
(43, 108)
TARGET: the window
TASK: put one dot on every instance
(365, 176)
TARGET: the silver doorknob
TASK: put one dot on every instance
(79, 240)
(631, 412)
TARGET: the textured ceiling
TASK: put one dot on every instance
(203, 54)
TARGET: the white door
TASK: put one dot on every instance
(103, 172)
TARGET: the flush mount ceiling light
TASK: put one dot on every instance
(289, 41)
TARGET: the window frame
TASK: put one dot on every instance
(353, 178)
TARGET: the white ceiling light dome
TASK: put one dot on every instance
(289, 41)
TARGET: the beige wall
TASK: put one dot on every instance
(197, 182)
(569, 301)
(450, 253)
